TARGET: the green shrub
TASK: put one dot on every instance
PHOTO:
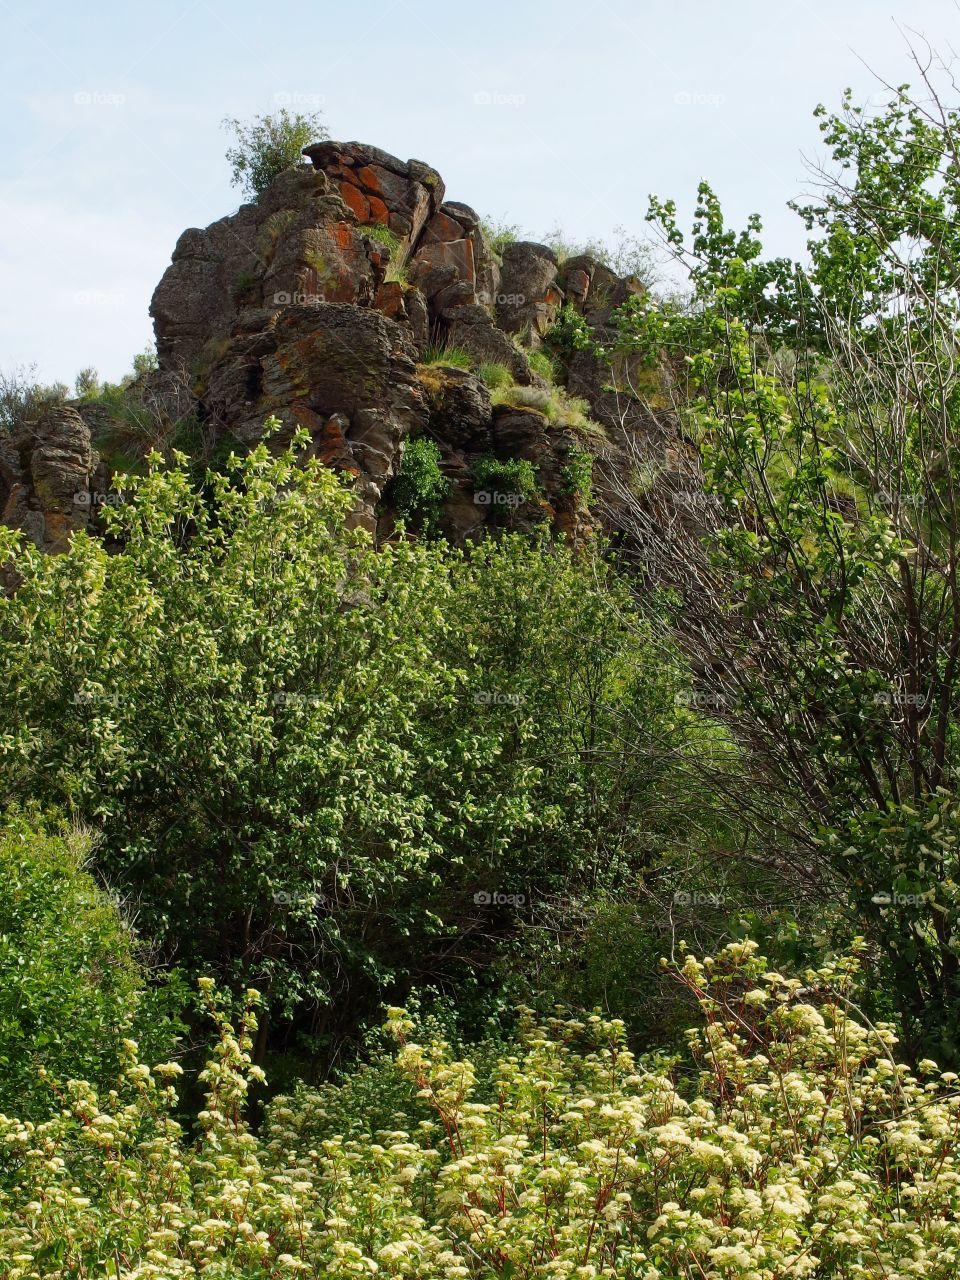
(137, 414)
(87, 384)
(421, 487)
(305, 756)
(512, 475)
(499, 234)
(570, 333)
(496, 376)
(383, 235)
(268, 145)
(23, 399)
(576, 474)
(70, 985)
(245, 287)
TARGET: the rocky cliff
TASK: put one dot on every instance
(354, 301)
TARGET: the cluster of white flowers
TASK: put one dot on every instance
(806, 1151)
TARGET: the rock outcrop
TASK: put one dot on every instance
(46, 478)
(344, 301)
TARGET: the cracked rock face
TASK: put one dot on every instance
(317, 304)
(46, 474)
(530, 298)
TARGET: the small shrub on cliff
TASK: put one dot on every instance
(576, 474)
(498, 234)
(559, 408)
(421, 486)
(437, 353)
(383, 235)
(512, 475)
(86, 385)
(541, 363)
(570, 333)
(627, 256)
(23, 399)
(518, 397)
(267, 145)
(396, 267)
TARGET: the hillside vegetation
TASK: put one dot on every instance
(493, 811)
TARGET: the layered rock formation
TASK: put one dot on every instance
(47, 478)
(325, 303)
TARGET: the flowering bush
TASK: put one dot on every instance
(798, 1148)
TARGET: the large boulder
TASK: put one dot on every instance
(458, 407)
(529, 296)
(299, 242)
(316, 303)
(398, 194)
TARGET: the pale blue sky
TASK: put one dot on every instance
(539, 112)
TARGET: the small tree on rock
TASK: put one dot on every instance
(268, 145)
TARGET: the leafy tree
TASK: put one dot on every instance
(308, 758)
(269, 144)
(816, 589)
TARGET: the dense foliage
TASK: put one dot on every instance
(320, 767)
(495, 784)
(816, 587)
(72, 981)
